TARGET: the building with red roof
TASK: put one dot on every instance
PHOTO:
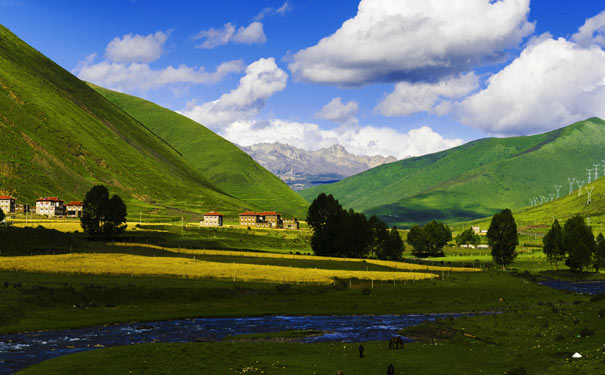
(7, 204)
(50, 206)
(74, 209)
(267, 219)
(212, 219)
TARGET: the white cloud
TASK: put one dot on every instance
(592, 32)
(141, 77)
(270, 11)
(408, 98)
(394, 40)
(339, 112)
(136, 48)
(263, 78)
(551, 84)
(367, 140)
(212, 38)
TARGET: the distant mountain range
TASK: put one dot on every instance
(473, 180)
(302, 169)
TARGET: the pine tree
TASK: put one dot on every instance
(576, 232)
(599, 254)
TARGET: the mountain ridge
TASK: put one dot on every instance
(301, 168)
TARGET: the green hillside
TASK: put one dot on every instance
(473, 180)
(538, 218)
(228, 167)
(60, 137)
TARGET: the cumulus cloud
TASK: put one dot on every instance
(387, 41)
(141, 77)
(408, 98)
(366, 140)
(551, 84)
(263, 78)
(136, 48)
(592, 32)
(339, 112)
(213, 38)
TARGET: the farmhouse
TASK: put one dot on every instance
(50, 206)
(291, 223)
(74, 209)
(7, 204)
(212, 219)
(267, 219)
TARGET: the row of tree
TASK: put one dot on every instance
(346, 233)
(575, 245)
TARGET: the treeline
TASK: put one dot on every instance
(346, 233)
(575, 245)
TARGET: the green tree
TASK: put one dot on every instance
(102, 217)
(437, 235)
(380, 236)
(2, 216)
(503, 238)
(553, 244)
(575, 231)
(419, 241)
(324, 216)
(599, 255)
(467, 237)
(393, 246)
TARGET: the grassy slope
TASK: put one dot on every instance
(472, 180)
(538, 219)
(59, 137)
(228, 167)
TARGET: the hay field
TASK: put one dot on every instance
(133, 265)
(385, 263)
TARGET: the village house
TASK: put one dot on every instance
(291, 223)
(268, 219)
(7, 204)
(22, 208)
(212, 219)
(50, 206)
(74, 209)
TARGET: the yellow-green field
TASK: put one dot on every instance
(385, 263)
(125, 264)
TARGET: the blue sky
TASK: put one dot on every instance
(377, 76)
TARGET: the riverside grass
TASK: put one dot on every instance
(125, 264)
(384, 263)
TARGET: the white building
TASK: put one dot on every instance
(7, 204)
(212, 219)
(50, 206)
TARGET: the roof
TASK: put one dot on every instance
(49, 199)
(74, 203)
(248, 213)
(268, 213)
(4, 197)
(212, 213)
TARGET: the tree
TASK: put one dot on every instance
(380, 236)
(599, 254)
(467, 237)
(393, 246)
(503, 238)
(2, 216)
(438, 235)
(575, 231)
(553, 244)
(102, 217)
(323, 216)
(418, 239)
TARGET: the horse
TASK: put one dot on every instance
(361, 348)
(396, 342)
(391, 370)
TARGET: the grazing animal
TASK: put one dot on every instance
(396, 342)
(391, 370)
(361, 348)
(339, 372)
